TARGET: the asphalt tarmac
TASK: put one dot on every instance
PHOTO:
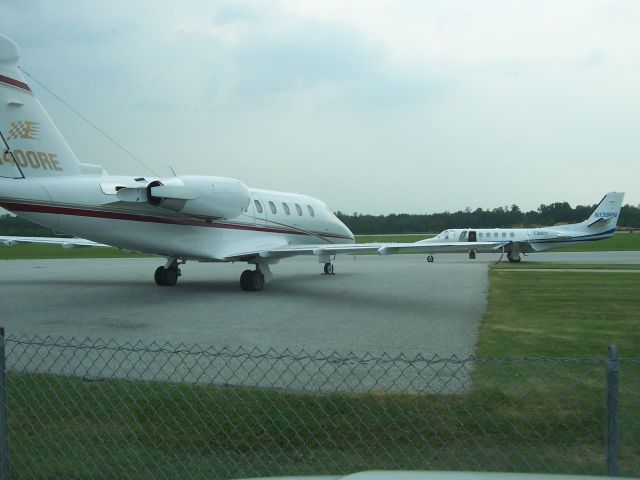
(399, 304)
(395, 304)
(376, 306)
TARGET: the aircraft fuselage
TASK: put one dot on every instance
(88, 207)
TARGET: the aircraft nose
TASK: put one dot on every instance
(347, 232)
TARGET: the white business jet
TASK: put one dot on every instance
(516, 241)
(209, 219)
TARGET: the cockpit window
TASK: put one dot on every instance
(311, 212)
(285, 207)
(299, 209)
(258, 206)
(331, 214)
(272, 206)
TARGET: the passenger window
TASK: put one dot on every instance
(480, 234)
(511, 235)
(311, 212)
(258, 206)
(272, 206)
(299, 209)
(495, 234)
(286, 208)
(504, 235)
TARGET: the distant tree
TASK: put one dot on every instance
(500, 217)
(11, 225)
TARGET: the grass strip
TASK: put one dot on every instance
(564, 266)
(519, 416)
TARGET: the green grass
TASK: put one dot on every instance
(510, 421)
(540, 415)
(564, 266)
(31, 251)
(562, 314)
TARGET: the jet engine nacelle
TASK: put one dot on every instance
(215, 197)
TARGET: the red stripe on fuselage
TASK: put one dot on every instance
(79, 212)
(14, 83)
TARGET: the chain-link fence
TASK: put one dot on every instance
(102, 409)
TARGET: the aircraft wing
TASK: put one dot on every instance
(363, 249)
(62, 241)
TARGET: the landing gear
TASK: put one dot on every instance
(252, 280)
(513, 257)
(328, 268)
(167, 276)
(430, 258)
(472, 254)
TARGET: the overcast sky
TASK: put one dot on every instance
(373, 106)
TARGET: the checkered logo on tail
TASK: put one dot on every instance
(23, 129)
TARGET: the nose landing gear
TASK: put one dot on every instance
(328, 268)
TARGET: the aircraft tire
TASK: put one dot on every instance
(328, 268)
(257, 281)
(170, 276)
(430, 258)
(245, 280)
(166, 277)
(159, 276)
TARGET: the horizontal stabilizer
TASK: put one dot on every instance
(599, 221)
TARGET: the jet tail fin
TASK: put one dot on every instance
(32, 146)
(607, 212)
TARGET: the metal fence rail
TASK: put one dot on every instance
(100, 409)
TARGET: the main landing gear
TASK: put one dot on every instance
(167, 276)
(514, 257)
(328, 268)
(252, 280)
(430, 258)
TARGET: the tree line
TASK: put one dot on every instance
(501, 217)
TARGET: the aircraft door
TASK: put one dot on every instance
(473, 236)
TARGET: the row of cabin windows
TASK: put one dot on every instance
(495, 235)
(285, 207)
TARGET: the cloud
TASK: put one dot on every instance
(411, 92)
(258, 52)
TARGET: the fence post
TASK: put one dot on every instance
(5, 471)
(612, 447)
